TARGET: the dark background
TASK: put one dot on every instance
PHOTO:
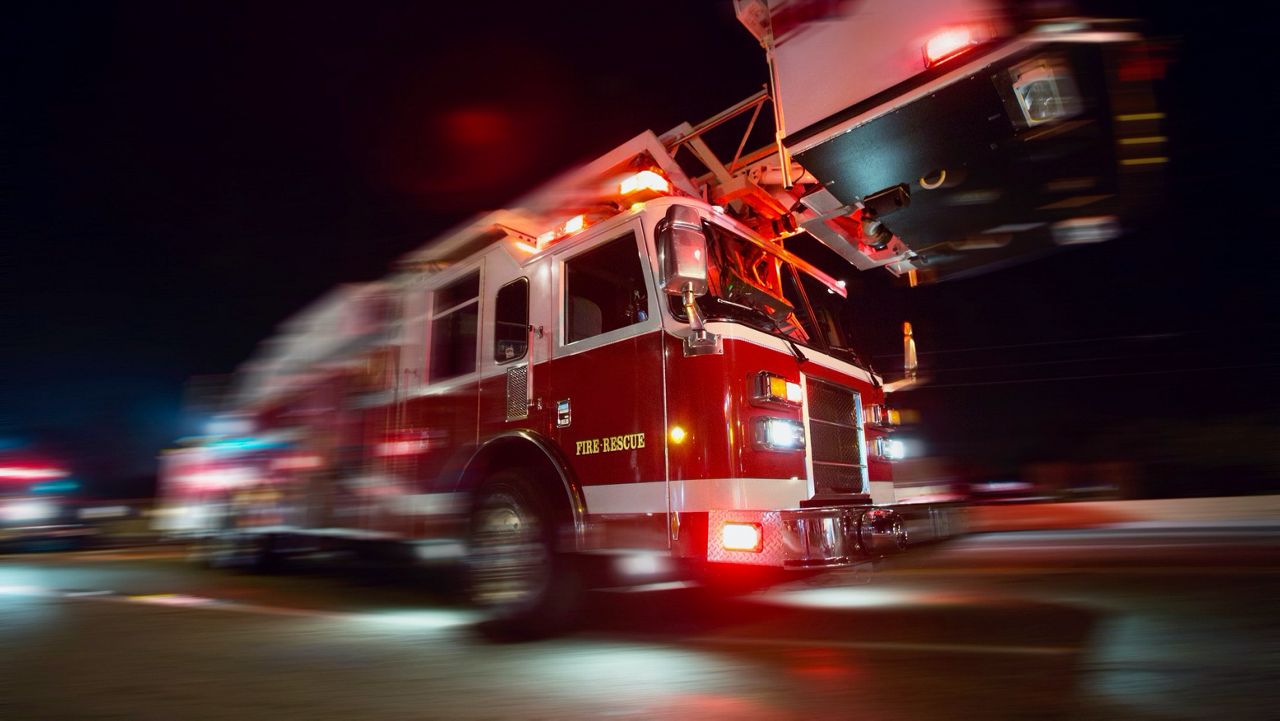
(180, 179)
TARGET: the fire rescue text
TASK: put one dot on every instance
(608, 444)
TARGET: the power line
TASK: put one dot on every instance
(1061, 361)
(1145, 336)
(1100, 375)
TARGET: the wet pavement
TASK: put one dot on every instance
(1134, 623)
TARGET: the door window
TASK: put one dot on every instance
(511, 321)
(604, 290)
(454, 319)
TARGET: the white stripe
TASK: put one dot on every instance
(703, 494)
(735, 331)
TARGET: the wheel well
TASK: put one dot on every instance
(545, 468)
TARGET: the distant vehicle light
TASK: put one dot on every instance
(644, 180)
(19, 473)
(947, 44)
(100, 512)
(25, 511)
(742, 537)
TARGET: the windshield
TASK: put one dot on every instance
(748, 284)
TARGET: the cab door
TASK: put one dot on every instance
(605, 382)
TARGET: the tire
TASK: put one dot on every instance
(515, 574)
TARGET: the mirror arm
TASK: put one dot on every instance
(699, 341)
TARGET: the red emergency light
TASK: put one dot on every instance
(30, 473)
(948, 44)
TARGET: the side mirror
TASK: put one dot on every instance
(682, 252)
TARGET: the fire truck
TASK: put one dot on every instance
(632, 373)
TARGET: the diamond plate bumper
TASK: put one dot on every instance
(811, 537)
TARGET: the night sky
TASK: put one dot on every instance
(181, 178)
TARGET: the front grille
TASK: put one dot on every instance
(834, 439)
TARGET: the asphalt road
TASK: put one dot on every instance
(1137, 623)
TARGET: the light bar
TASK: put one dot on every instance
(568, 227)
(644, 180)
(574, 224)
(742, 537)
(947, 44)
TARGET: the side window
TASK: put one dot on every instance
(604, 290)
(511, 321)
(454, 320)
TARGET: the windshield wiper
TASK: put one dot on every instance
(795, 349)
(849, 352)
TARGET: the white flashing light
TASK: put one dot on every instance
(28, 510)
(891, 449)
(947, 44)
(795, 393)
(644, 180)
(742, 537)
(574, 224)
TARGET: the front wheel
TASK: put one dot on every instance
(515, 573)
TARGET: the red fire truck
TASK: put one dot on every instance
(633, 368)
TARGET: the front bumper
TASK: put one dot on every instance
(829, 537)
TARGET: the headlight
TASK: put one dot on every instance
(1044, 91)
(779, 434)
(27, 511)
(891, 449)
